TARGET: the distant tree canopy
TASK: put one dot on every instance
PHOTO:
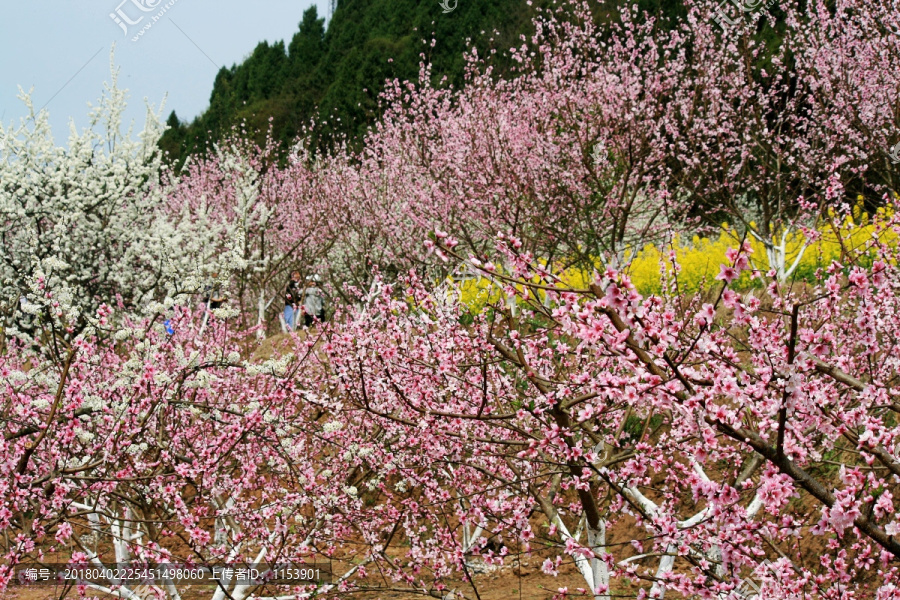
(334, 76)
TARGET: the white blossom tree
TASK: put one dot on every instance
(86, 224)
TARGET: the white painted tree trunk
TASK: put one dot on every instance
(777, 253)
(596, 539)
(594, 570)
(667, 562)
(261, 316)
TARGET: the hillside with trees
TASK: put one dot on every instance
(334, 76)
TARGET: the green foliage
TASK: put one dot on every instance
(334, 77)
(634, 428)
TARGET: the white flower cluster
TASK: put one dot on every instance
(45, 379)
(130, 371)
(201, 380)
(274, 366)
(83, 436)
(123, 334)
(332, 426)
(226, 312)
(16, 377)
(92, 402)
(161, 378)
(137, 448)
(40, 403)
(75, 462)
(92, 220)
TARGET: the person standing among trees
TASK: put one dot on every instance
(313, 302)
(213, 297)
(292, 299)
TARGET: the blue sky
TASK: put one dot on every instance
(62, 49)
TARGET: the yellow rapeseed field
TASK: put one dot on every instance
(699, 258)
